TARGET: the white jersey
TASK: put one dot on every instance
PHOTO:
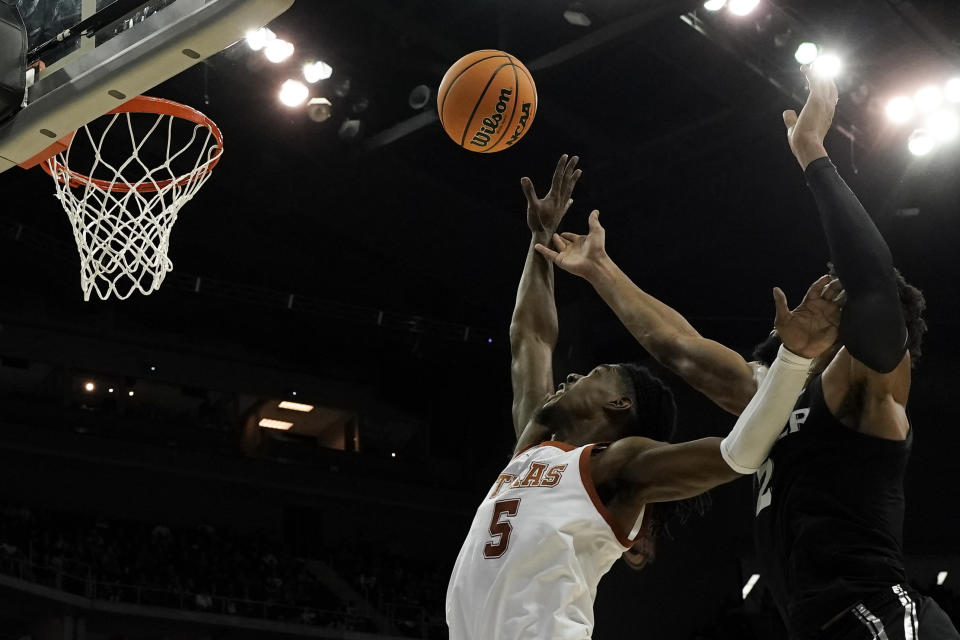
(538, 546)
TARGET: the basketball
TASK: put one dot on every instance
(487, 101)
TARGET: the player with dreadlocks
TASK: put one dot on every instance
(592, 455)
(829, 499)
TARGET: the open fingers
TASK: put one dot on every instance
(570, 237)
(816, 289)
(557, 181)
(570, 182)
(594, 222)
(528, 191)
(547, 253)
(559, 242)
(832, 290)
(570, 168)
(780, 304)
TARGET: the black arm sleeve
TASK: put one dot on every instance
(872, 326)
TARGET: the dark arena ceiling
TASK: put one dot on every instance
(407, 249)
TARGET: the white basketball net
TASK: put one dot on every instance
(123, 233)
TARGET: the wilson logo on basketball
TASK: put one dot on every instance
(492, 122)
(525, 115)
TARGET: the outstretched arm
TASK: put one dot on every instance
(716, 371)
(873, 328)
(533, 329)
(661, 472)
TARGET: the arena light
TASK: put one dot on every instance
(131, 393)
(90, 387)
(944, 125)
(393, 454)
(827, 65)
(260, 38)
(941, 578)
(319, 109)
(419, 97)
(278, 50)
(110, 390)
(577, 18)
(293, 93)
(269, 423)
(747, 588)
(928, 99)
(900, 109)
(296, 406)
(714, 5)
(806, 53)
(921, 143)
(743, 7)
(314, 72)
(951, 91)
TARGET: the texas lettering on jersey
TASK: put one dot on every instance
(537, 475)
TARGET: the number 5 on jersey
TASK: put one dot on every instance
(500, 528)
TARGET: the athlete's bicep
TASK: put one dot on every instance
(531, 373)
(866, 400)
(661, 472)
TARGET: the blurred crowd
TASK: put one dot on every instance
(384, 580)
(216, 571)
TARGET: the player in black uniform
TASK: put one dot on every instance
(830, 500)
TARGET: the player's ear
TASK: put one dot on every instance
(620, 405)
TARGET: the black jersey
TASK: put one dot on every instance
(829, 515)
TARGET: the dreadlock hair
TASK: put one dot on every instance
(653, 415)
(912, 302)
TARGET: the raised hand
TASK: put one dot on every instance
(579, 255)
(812, 327)
(545, 214)
(806, 132)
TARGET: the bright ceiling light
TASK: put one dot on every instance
(89, 386)
(941, 577)
(130, 393)
(827, 65)
(900, 109)
(952, 90)
(278, 50)
(944, 125)
(928, 99)
(293, 93)
(806, 53)
(316, 71)
(110, 390)
(743, 7)
(268, 423)
(296, 406)
(714, 5)
(747, 588)
(921, 143)
(259, 38)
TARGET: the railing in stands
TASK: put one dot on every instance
(88, 587)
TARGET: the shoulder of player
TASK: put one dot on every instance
(610, 462)
(865, 400)
(847, 376)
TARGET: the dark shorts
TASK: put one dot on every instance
(901, 614)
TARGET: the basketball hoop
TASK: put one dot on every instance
(147, 158)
